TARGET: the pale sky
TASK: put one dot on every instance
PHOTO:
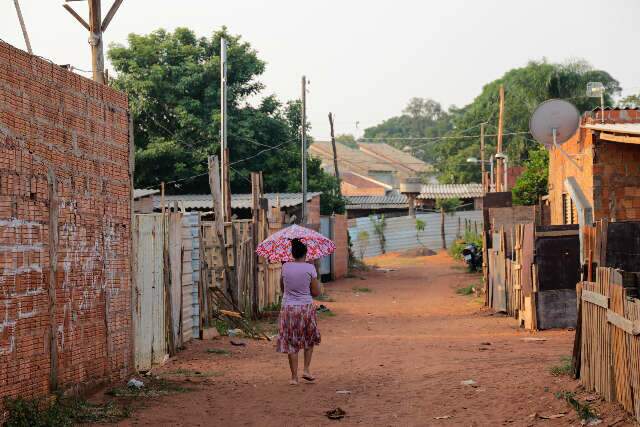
(366, 58)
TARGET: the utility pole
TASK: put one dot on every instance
(96, 27)
(224, 152)
(335, 152)
(483, 180)
(304, 149)
(499, 165)
(23, 26)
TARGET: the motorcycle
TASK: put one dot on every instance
(472, 257)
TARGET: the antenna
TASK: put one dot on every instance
(553, 123)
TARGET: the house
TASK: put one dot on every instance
(354, 184)
(598, 175)
(469, 194)
(380, 162)
(390, 205)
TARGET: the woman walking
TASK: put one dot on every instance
(298, 322)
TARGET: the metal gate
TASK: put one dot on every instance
(325, 230)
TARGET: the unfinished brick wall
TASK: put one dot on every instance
(341, 255)
(313, 210)
(608, 172)
(65, 215)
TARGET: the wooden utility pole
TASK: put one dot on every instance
(333, 145)
(442, 232)
(23, 26)
(482, 169)
(224, 149)
(499, 162)
(96, 27)
(303, 141)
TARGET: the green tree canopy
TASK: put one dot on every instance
(532, 184)
(172, 79)
(525, 88)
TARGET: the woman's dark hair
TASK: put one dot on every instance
(298, 249)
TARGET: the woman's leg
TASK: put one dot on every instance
(308, 353)
(293, 365)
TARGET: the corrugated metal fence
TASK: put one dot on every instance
(401, 233)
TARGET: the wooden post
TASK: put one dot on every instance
(227, 185)
(23, 26)
(335, 153)
(214, 184)
(95, 40)
(482, 167)
(499, 162)
(442, 232)
(162, 197)
(255, 210)
(96, 27)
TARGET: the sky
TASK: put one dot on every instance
(366, 58)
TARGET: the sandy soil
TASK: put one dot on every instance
(402, 350)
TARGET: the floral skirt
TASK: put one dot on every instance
(298, 328)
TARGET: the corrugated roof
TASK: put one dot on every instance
(349, 159)
(630, 128)
(451, 191)
(371, 202)
(238, 201)
(143, 192)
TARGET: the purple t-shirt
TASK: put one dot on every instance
(297, 283)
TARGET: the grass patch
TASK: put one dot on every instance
(189, 373)
(467, 290)
(324, 298)
(61, 412)
(218, 351)
(327, 314)
(361, 290)
(152, 388)
(583, 410)
(564, 368)
(221, 326)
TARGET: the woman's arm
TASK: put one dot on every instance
(316, 288)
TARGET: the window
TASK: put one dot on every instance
(569, 212)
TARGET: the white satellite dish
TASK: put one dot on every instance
(554, 122)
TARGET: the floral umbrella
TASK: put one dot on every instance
(277, 247)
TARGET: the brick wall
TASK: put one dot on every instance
(65, 317)
(341, 255)
(313, 210)
(609, 175)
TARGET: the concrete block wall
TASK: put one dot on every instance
(341, 255)
(65, 216)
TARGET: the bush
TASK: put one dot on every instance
(470, 237)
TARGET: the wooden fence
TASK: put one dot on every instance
(531, 272)
(609, 337)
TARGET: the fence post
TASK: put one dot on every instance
(442, 233)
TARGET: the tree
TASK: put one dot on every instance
(525, 88)
(532, 184)
(422, 117)
(347, 139)
(632, 101)
(172, 79)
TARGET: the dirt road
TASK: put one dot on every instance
(401, 350)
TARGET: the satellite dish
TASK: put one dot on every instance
(554, 122)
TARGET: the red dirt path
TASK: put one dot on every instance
(402, 351)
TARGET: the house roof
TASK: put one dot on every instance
(394, 201)
(451, 191)
(238, 201)
(362, 181)
(349, 159)
(144, 192)
(399, 159)
(629, 128)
